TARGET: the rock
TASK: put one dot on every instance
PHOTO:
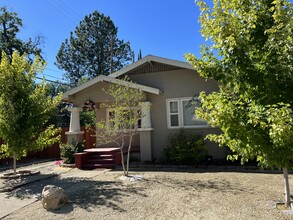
(53, 197)
(131, 178)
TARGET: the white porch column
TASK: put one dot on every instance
(74, 119)
(146, 114)
(145, 132)
(74, 134)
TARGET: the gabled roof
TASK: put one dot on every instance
(103, 78)
(152, 59)
(148, 63)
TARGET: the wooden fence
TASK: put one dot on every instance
(53, 152)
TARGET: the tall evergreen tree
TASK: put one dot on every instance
(93, 49)
(10, 25)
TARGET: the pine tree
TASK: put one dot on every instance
(93, 49)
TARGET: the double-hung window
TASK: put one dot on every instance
(181, 113)
(174, 113)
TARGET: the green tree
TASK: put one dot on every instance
(123, 122)
(10, 25)
(250, 54)
(25, 108)
(54, 88)
(61, 117)
(93, 49)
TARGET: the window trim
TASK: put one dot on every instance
(180, 114)
(169, 112)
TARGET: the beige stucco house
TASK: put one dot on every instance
(168, 85)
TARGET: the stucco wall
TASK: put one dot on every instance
(96, 94)
(101, 115)
(175, 84)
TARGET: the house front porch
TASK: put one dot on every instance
(92, 96)
(109, 157)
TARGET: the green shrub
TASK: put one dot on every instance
(184, 148)
(67, 151)
(88, 118)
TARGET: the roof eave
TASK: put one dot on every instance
(102, 78)
(133, 85)
(151, 58)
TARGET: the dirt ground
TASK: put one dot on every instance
(170, 195)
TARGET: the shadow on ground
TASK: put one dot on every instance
(106, 193)
(196, 186)
(82, 192)
(34, 188)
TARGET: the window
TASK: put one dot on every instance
(128, 114)
(174, 113)
(181, 113)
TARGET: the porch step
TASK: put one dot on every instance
(97, 158)
(100, 161)
(101, 156)
(97, 165)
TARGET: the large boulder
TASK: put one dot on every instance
(53, 197)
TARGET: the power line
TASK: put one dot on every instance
(51, 76)
(52, 81)
(70, 9)
(67, 9)
(54, 70)
(60, 11)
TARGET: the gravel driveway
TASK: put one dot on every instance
(170, 195)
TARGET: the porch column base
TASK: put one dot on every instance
(145, 145)
(74, 136)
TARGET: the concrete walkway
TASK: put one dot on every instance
(27, 190)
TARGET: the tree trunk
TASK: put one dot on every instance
(14, 164)
(128, 155)
(287, 188)
(122, 159)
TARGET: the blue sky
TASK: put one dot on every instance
(166, 28)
